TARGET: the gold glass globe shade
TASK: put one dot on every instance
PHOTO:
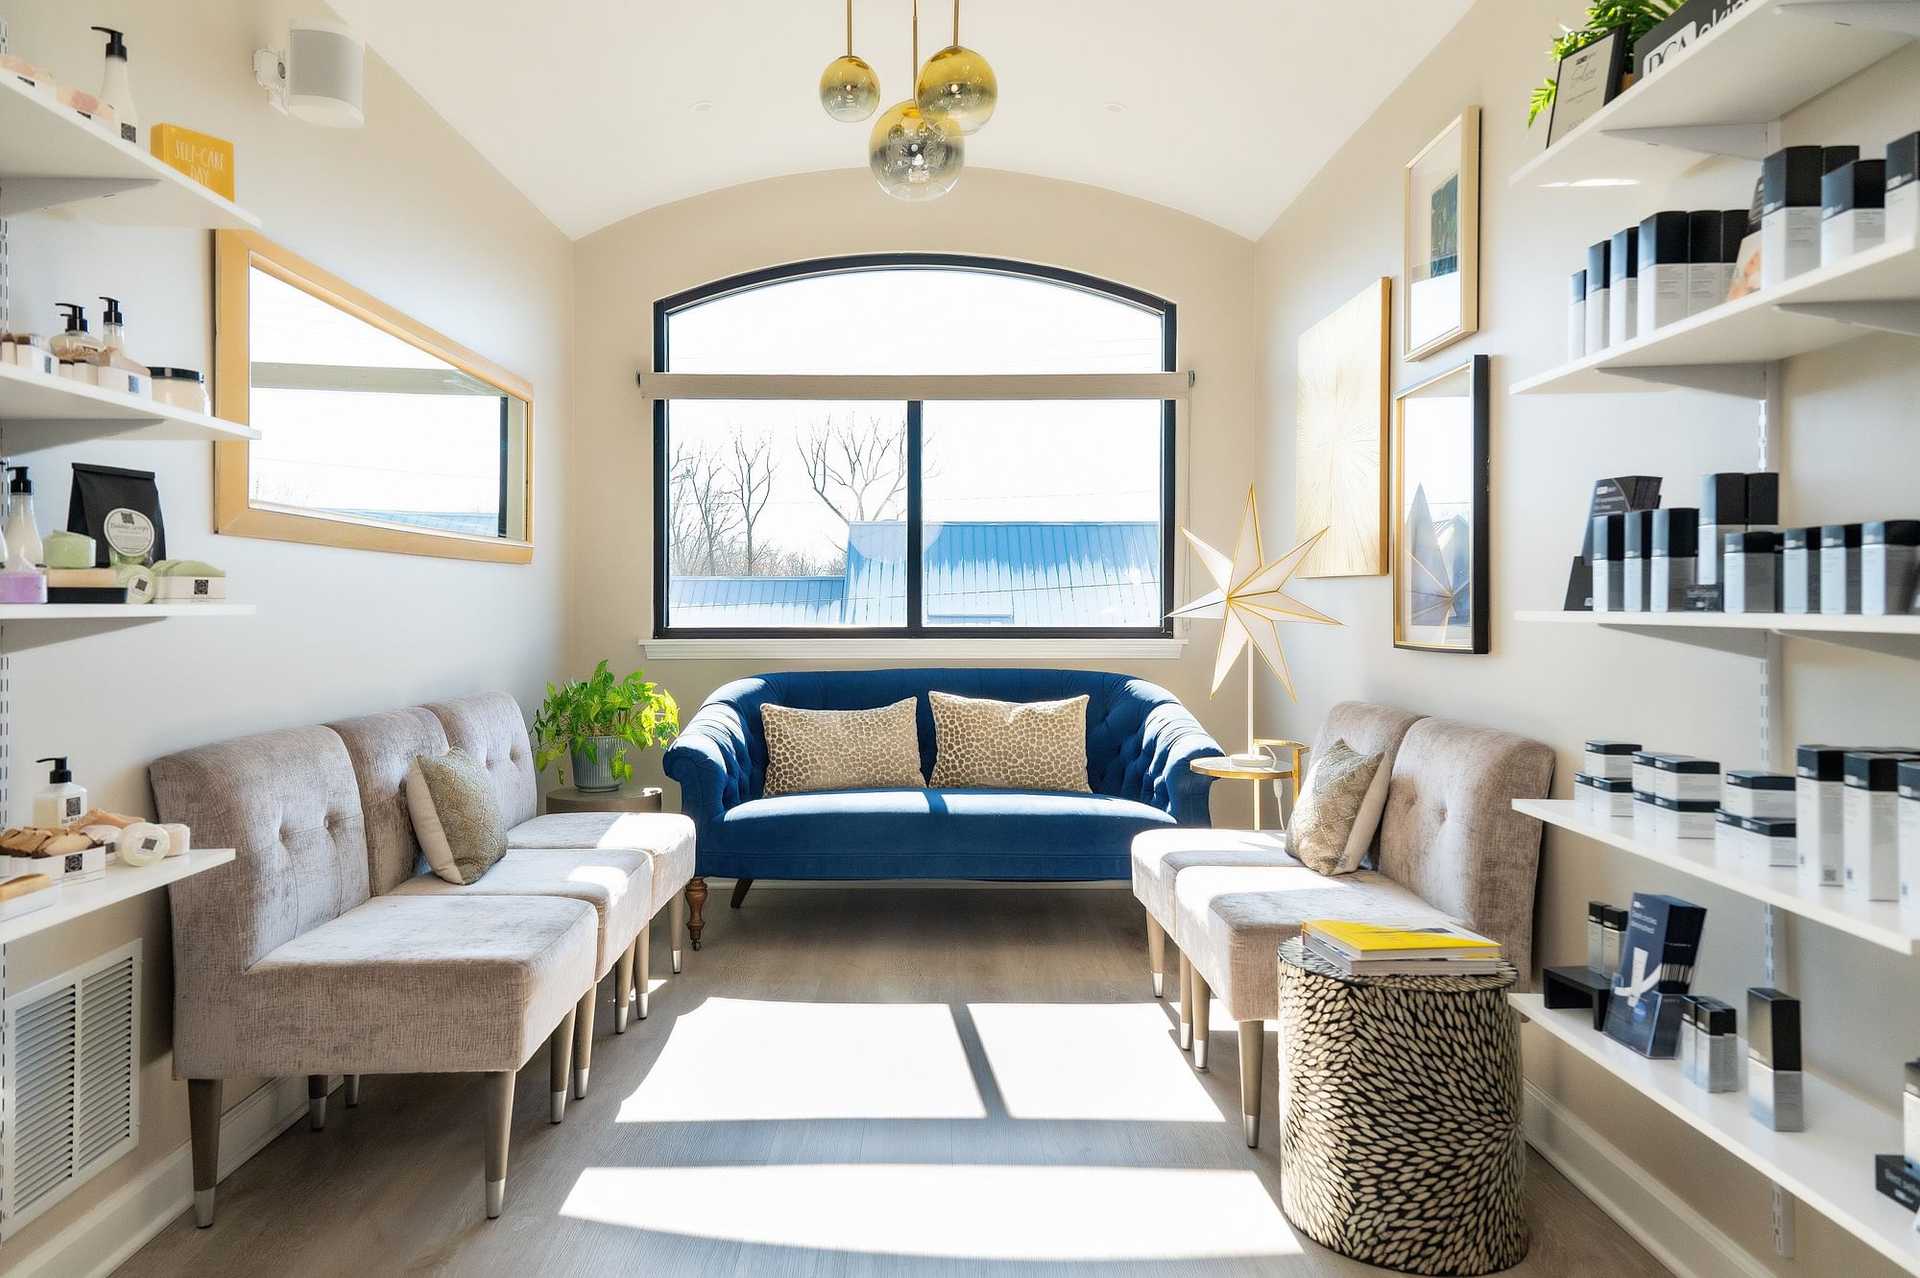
(849, 89)
(959, 87)
(914, 157)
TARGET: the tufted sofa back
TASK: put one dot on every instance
(1120, 713)
(382, 747)
(491, 728)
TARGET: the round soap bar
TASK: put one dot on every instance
(68, 550)
(142, 843)
(179, 839)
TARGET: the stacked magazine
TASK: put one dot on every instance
(1372, 949)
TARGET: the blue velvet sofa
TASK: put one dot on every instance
(1139, 742)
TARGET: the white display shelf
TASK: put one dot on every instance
(1881, 922)
(1875, 289)
(53, 159)
(79, 412)
(1829, 1167)
(120, 612)
(1746, 633)
(120, 882)
(1754, 67)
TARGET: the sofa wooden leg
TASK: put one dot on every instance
(676, 927)
(203, 1114)
(583, 1041)
(560, 1065)
(740, 887)
(1156, 954)
(622, 990)
(1186, 1003)
(696, 911)
(1202, 1013)
(642, 969)
(499, 1120)
(1253, 1040)
(352, 1091)
(317, 1101)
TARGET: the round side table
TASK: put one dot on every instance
(1222, 768)
(628, 798)
(1401, 1144)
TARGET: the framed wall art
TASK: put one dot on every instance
(1587, 80)
(1440, 505)
(1441, 256)
(1340, 436)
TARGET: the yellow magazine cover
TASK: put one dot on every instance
(1378, 939)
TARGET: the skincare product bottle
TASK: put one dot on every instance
(1840, 569)
(1577, 317)
(116, 88)
(1674, 564)
(1800, 570)
(1663, 271)
(1819, 812)
(115, 370)
(1789, 213)
(1681, 776)
(1763, 500)
(1682, 818)
(1853, 214)
(1752, 564)
(23, 533)
(1871, 826)
(1903, 188)
(77, 344)
(1638, 576)
(1706, 273)
(1910, 1116)
(1610, 798)
(1687, 1049)
(1775, 1094)
(1609, 562)
(113, 327)
(21, 582)
(1723, 509)
(1612, 760)
(1735, 226)
(1599, 275)
(1907, 779)
(1613, 934)
(60, 802)
(1889, 553)
(1623, 286)
(1596, 936)
(1759, 794)
(1716, 1045)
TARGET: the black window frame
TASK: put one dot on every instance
(665, 308)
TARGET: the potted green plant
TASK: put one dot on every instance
(1637, 16)
(598, 721)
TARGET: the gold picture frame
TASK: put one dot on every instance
(1440, 240)
(1442, 550)
(1340, 435)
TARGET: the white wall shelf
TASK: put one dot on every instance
(1829, 1166)
(1753, 68)
(1727, 348)
(53, 159)
(119, 612)
(1746, 633)
(72, 900)
(72, 412)
(1881, 922)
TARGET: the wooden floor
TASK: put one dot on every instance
(842, 1082)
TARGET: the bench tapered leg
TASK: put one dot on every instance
(1253, 1039)
(1156, 954)
(317, 1101)
(1202, 1012)
(203, 1114)
(559, 1065)
(1186, 1003)
(499, 1125)
(622, 990)
(352, 1090)
(642, 969)
(583, 1041)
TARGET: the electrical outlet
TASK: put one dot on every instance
(1782, 1222)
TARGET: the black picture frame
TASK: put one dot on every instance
(1476, 374)
(1599, 71)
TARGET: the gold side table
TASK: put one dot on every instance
(1223, 768)
(628, 798)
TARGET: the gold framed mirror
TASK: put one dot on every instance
(376, 432)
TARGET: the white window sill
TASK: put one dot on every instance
(852, 649)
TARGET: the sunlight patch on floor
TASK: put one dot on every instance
(735, 1060)
(1006, 1213)
(1113, 1061)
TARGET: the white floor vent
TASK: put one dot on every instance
(69, 1082)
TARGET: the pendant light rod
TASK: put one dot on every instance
(956, 21)
(913, 72)
(849, 28)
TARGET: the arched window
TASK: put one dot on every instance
(907, 445)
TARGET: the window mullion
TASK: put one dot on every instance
(915, 535)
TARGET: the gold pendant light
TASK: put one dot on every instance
(849, 89)
(957, 85)
(915, 156)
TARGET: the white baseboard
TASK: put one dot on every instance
(122, 1223)
(1678, 1236)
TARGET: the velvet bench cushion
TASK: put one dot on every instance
(665, 837)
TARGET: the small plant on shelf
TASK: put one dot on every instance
(1637, 16)
(598, 721)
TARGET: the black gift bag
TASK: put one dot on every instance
(100, 490)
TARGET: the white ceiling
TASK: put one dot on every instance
(599, 109)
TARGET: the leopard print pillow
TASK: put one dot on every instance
(841, 749)
(1009, 745)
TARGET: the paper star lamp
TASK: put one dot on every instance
(1250, 600)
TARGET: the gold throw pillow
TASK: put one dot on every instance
(1339, 809)
(1009, 745)
(841, 749)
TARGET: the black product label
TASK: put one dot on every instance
(71, 808)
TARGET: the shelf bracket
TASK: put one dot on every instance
(1741, 643)
(1743, 381)
(1745, 141)
(1907, 646)
(1889, 317)
(1899, 16)
(32, 194)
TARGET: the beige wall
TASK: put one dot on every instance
(622, 270)
(1849, 453)
(404, 208)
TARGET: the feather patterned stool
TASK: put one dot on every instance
(1401, 1142)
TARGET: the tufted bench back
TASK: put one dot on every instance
(491, 728)
(1120, 712)
(382, 747)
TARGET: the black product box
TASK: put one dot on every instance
(1662, 942)
(1892, 1177)
(1691, 23)
(1790, 178)
(90, 595)
(1649, 1025)
(1858, 184)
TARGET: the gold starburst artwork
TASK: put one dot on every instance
(1340, 436)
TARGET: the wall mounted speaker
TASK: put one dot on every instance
(321, 78)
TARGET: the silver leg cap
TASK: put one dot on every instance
(1252, 1123)
(560, 1105)
(620, 1018)
(1186, 1037)
(496, 1196)
(203, 1208)
(353, 1091)
(1159, 984)
(676, 961)
(317, 1113)
(1199, 1053)
(580, 1084)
